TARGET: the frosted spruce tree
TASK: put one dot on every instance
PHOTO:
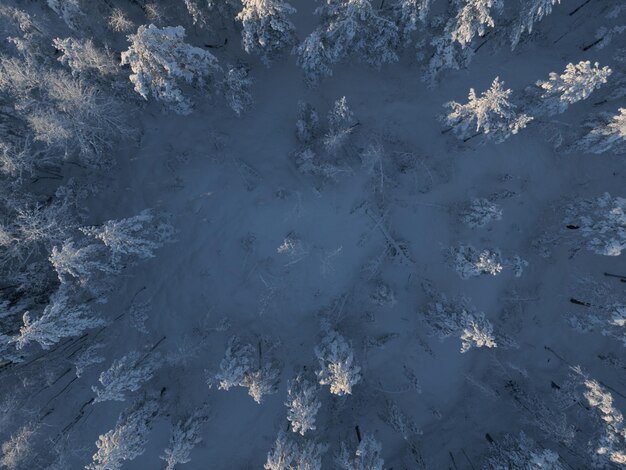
(473, 19)
(575, 84)
(186, 435)
(366, 456)
(127, 440)
(410, 14)
(468, 262)
(607, 137)
(81, 263)
(341, 123)
(337, 365)
(532, 12)
(601, 222)
(457, 317)
(302, 404)
(267, 30)
(288, 454)
(491, 114)
(350, 29)
(161, 61)
(125, 375)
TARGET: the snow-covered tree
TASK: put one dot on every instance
(185, 436)
(119, 22)
(481, 212)
(302, 404)
(409, 15)
(366, 456)
(601, 222)
(521, 453)
(18, 449)
(575, 84)
(135, 237)
(532, 12)
(308, 123)
(341, 123)
(337, 365)
(473, 19)
(236, 89)
(126, 374)
(84, 58)
(468, 262)
(267, 30)
(127, 440)
(82, 263)
(606, 137)
(61, 318)
(68, 10)
(161, 60)
(287, 454)
(240, 368)
(350, 29)
(491, 114)
(457, 317)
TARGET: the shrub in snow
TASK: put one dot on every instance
(84, 58)
(240, 368)
(185, 436)
(61, 318)
(366, 457)
(481, 212)
(468, 262)
(266, 29)
(308, 123)
(350, 29)
(340, 125)
(601, 222)
(127, 440)
(287, 454)
(135, 237)
(606, 137)
(119, 22)
(575, 84)
(302, 404)
(521, 453)
(236, 88)
(458, 317)
(491, 114)
(532, 12)
(18, 449)
(161, 60)
(337, 366)
(126, 374)
(308, 163)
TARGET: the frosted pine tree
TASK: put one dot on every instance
(81, 262)
(161, 61)
(337, 365)
(236, 89)
(84, 59)
(185, 436)
(350, 29)
(287, 454)
(341, 123)
(409, 15)
(468, 262)
(609, 137)
(521, 453)
(62, 318)
(491, 114)
(480, 213)
(267, 31)
(127, 440)
(302, 404)
(532, 12)
(457, 317)
(601, 222)
(473, 20)
(135, 237)
(575, 84)
(366, 456)
(126, 374)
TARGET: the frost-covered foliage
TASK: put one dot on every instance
(236, 87)
(473, 19)
(127, 440)
(135, 237)
(241, 368)
(302, 404)
(84, 59)
(61, 318)
(337, 365)
(119, 22)
(341, 123)
(82, 263)
(266, 29)
(410, 14)
(521, 453)
(18, 449)
(601, 222)
(308, 123)
(161, 61)
(468, 262)
(575, 84)
(457, 317)
(481, 212)
(610, 446)
(185, 436)
(126, 374)
(351, 29)
(287, 454)
(491, 114)
(609, 137)
(532, 12)
(68, 10)
(366, 456)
